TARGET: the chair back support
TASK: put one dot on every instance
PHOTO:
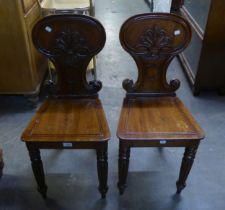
(70, 42)
(153, 40)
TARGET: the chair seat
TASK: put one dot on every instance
(157, 118)
(68, 120)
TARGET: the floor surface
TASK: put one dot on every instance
(71, 175)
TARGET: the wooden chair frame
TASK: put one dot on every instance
(152, 115)
(70, 42)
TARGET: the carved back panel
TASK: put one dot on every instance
(153, 40)
(70, 42)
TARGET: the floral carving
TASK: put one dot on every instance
(71, 46)
(154, 41)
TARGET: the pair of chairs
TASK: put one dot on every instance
(151, 116)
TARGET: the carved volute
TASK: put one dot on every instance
(153, 40)
(70, 42)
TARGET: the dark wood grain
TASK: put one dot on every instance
(70, 43)
(123, 163)
(152, 115)
(102, 166)
(73, 116)
(153, 40)
(187, 162)
(38, 170)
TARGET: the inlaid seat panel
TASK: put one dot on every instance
(157, 118)
(72, 117)
(152, 115)
(66, 119)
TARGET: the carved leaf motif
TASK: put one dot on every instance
(71, 46)
(154, 41)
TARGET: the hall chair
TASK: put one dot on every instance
(73, 116)
(61, 7)
(152, 115)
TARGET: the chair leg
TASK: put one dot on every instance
(38, 170)
(124, 155)
(187, 162)
(102, 166)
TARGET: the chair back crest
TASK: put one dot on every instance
(70, 42)
(153, 39)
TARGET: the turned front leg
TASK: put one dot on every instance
(187, 162)
(102, 165)
(124, 155)
(38, 170)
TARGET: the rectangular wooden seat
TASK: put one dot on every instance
(157, 118)
(68, 120)
(152, 115)
(73, 116)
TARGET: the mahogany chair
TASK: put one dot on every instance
(73, 117)
(152, 115)
(1, 162)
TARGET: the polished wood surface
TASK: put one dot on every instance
(157, 118)
(152, 115)
(73, 116)
(85, 7)
(68, 120)
(21, 67)
(153, 46)
(67, 43)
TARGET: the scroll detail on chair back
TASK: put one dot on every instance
(153, 40)
(70, 43)
(73, 118)
(152, 115)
